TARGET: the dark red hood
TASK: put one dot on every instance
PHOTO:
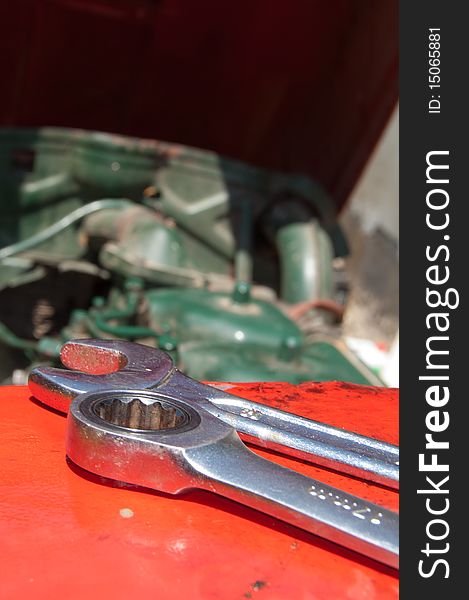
(304, 86)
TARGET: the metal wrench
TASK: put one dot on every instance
(115, 364)
(151, 439)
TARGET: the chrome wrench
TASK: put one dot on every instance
(152, 439)
(115, 364)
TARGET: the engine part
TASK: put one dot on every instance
(175, 247)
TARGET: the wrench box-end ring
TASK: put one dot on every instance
(139, 412)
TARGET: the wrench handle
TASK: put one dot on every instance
(233, 471)
(290, 434)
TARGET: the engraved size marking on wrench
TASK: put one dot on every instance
(361, 513)
(251, 413)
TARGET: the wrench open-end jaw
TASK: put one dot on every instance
(97, 365)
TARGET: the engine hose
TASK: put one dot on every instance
(62, 224)
(99, 319)
(297, 311)
(12, 340)
(305, 254)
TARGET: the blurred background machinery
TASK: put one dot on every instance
(227, 266)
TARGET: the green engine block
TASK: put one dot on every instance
(108, 236)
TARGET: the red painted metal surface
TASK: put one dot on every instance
(304, 86)
(68, 534)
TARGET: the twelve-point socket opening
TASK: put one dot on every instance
(133, 412)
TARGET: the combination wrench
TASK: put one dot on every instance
(113, 364)
(151, 439)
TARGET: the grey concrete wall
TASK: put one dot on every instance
(371, 223)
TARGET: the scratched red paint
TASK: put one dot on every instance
(64, 533)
